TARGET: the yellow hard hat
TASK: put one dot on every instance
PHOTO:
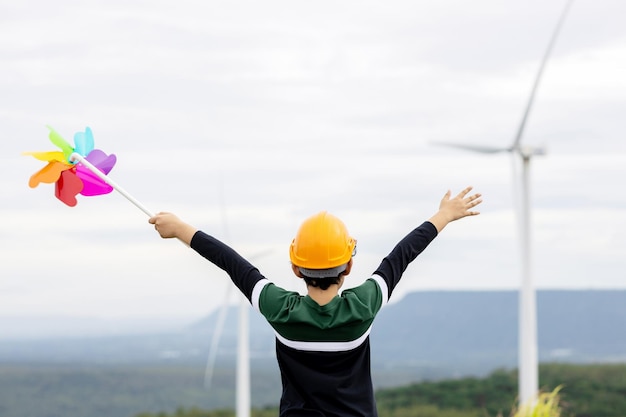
(322, 247)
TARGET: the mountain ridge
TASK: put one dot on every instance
(471, 331)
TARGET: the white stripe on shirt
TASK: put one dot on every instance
(383, 288)
(324, 346)
(256, 293)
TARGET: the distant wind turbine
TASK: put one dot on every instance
(243, 402)
(527, 354)
(243, 347)
(243, 353)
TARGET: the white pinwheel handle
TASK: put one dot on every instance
(77, 157)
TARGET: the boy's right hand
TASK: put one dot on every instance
(169, 225)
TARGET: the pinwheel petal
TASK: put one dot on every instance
(83, 142)
(101, 160)
(92, 184)
(48, 174)
(67, 187)
(61, 143)
(47, 156)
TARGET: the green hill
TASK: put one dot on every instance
(587, 391)
(597, 390)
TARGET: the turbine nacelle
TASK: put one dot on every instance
(530, 151)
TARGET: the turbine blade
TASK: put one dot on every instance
(221, 318)
(515, 171)
(215, 340)
(474, 148)
(533, 91)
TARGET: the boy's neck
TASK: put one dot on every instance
(323, 297)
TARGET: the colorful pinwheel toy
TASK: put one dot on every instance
(71, 176)
(81, 169)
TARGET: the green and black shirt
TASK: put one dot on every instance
(323, 351)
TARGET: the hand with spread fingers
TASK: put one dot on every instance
(451, 209)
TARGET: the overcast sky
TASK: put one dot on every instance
(245, 117)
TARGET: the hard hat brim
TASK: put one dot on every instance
(323, 273)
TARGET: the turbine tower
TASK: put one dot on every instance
(528, 378)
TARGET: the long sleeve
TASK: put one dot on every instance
(393, 265)
(243, 274)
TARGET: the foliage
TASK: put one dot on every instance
(588, 391)
(547, 405)
(492, 395)
(592, 390)
(196, 412)
(595, 390)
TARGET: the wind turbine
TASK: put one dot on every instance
(243, 402)
(243, 353)
(527, 351)
(243, 348)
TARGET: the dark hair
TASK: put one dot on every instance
(322, 283)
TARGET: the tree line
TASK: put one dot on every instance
(593, 390)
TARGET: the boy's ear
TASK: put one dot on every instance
(296, 271)
(348, 267)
